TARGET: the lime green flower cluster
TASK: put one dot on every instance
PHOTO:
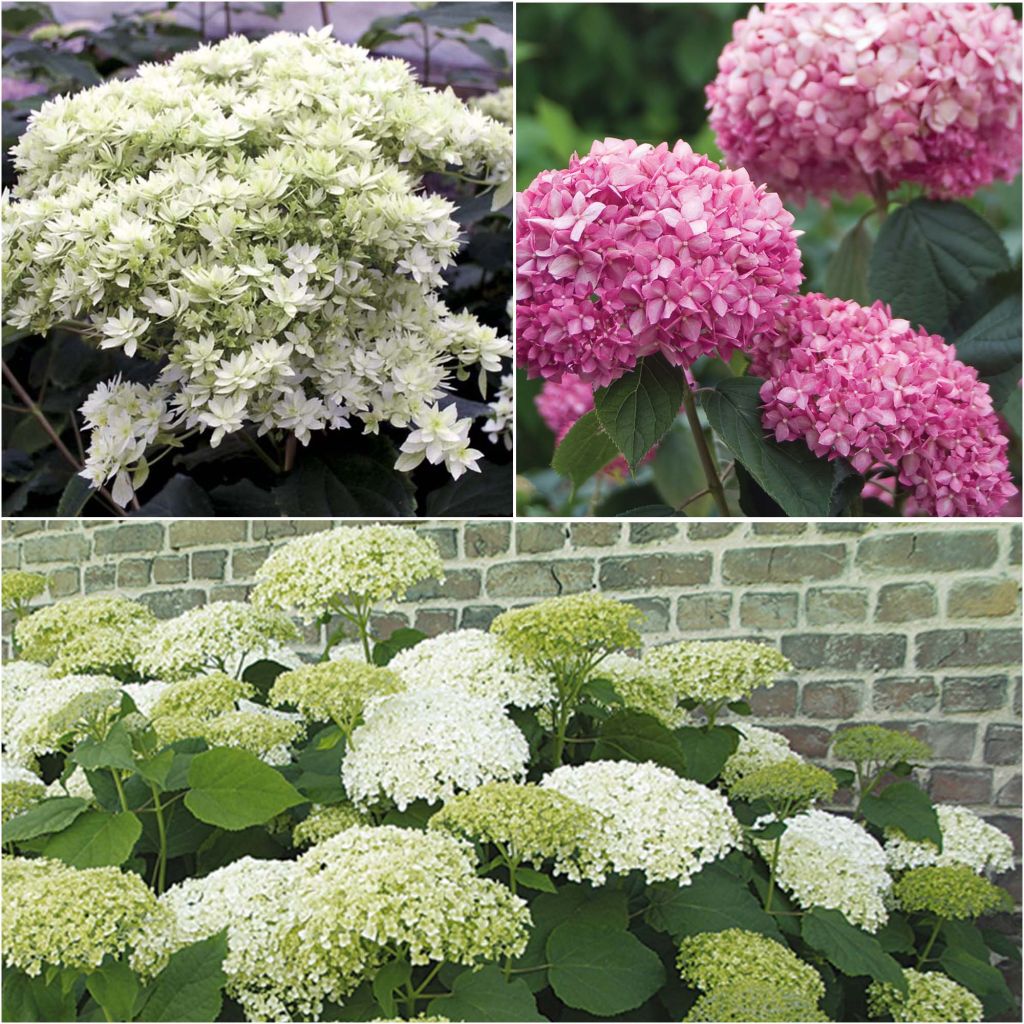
(19, 588)
(186, 708)
(741, 1001)
(335, 691)
(712, 960)
(19, 795)
(951, 892)
(878, 748)
(757, 748)
(643, 688)
(85, 634)
(56, 915)
(526, 823)
(788, 787)
(261, 731)
(930, 996)
(325, 821)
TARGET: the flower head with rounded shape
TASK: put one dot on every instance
(966, 839)
(878, 748)
(787, 786)
(325, 821)
(930, 996)
(639, 686)
(954, 892)
(743, 1001)
(185, 708)
(823, 98)
(757, 748)
(262, 731)
(18, 587)
(635, 249)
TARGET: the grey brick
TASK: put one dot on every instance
(134, 572)
(67, 547)
(986, 598)
(1002, 744)
(647, 533)
(783, 564)
(479, 616)
(201, 533)
(64, 582)
(170, 569)
(166, 604)
(703, 611)
(762, 610)
(974, 693)
(850, 651)
(447, 540)
(828, 606)
(841, 699)
(209, 565)
(98, 578)
(918, 693)
(129, 537)
(633, 572)
(905, 602)
(954, 648)
(655, 611)
(535, 538)
(459, 585)
(483, 540)
(907, 551)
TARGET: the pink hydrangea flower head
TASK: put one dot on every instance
(822, 97)
(854, 381)
(635, 249)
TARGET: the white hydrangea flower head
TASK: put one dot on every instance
(930, 996)
(325, 821)
(19, 788)
(267, 733)
(145, 695)
(219, 636)
(966, 839)
(284, 256)
(498, 104)
(11, 771)
(374, 565)
(826, 860)
(430, 744)
(498, 426)
(186, 707)
(348, 650)
(475, 662)
(644, 687)
(19, 678)
(651, 819)
(757, 748)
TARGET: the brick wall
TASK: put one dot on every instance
(912, 624)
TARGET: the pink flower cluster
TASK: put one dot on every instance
(852, 380)
(636, 249)
(823, 97)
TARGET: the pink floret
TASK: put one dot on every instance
(854, 381)
(822, 98)
(639, 249)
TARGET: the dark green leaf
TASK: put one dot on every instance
(157, 768)
(400, 640)
(234, 789)
(115, 987)
(220, 848)
(36, 999)
(707, 750)
(963, 935)
(180, 496)
(931, 255)
(531, 879)
(852, 950)
(114, 751)
(189, 987)
(487, 493)
(739, 707)
(896, 935)
(20, 16)
(584, 451)
(790, 473)
(184, 751)
(262, 675)
(993, 344)
(633, 736)
(905, 806)
(648, 512)
(96, 839)
(74, 497)
(52, 815)
(844, 777)
(395, 974)
(486, 995)
(604, 971)
(984, 980)
(847, 274)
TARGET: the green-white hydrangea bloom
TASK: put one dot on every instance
(498, 104)
(711, 960)
(966, 839)
(644, 688)
(829, 861)
(954, 892)
(20, 788)
(270, 236)
(184, 708)
(18, 587)
(19, 678)
(757, 748)
(429, 745)
(931, 996)
(475, 662)
(786, 785)
(54, 914)
(874, 747)
(222, 636)
(351, 566)
(651, 819)
(742, 1001)
(261, 731)
(325, 821)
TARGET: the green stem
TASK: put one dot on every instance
(923, 958)
(771, 873)
(707, 461)
(161, 873)
(119, 788)
(428, 979)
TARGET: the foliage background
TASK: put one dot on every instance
(464, 45)
(638, 70)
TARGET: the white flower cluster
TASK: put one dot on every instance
(223, 635)
(20, 678)
(966, 839)
(499, 104)
(651, 819)
(829, 861)
(474, 662)
(428, 745)
(643, 687)
(253, 212)
(503, 412)
(757, 748)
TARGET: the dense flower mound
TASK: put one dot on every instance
(60, 916)
(829, 861)
(640, 686)
(876, 747)
(475, 662)
(20, 678)
(325, 821)
(854, 381)
(787, 783)
(711, 960)
(222, 635)
(19, 788)
(186, 707)
(742, 1001)
(652, 820)
(757, 748)
(954, 892)
(253, 211)
(931, 996)
(635, 249)
(966, 839)
(261, 731)
(822, 98)
(20, 587)
(430, 744)
(347, 566)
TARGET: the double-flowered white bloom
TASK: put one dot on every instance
(253, 211)
(651, 819)
(430, 744)
(829, 861)
(966, 839)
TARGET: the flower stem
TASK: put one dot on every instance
(707, 462)
(923, 958)
(119, 788)
(161, 863)
(771, 873)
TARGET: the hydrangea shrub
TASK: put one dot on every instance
(544, 820)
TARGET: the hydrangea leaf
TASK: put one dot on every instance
(604, 971)
(992, 344)
(114, 751)
(929, 256)
(633, 736)
(585, 450)
(51, 815)
(896, 935)
(392, 976)
(96, 839)
(189, 987)
(707, 750)
(984, 980)
(234, 789)
(530, 879)
(852, 950)
(637, 410)
(115, 987)
(36, 998)
(847, 273)
(486, 995)
(905, 806)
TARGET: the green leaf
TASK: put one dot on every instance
(157, 768)
(604, 971)
(487, 493)
(234, 789)
(633, 736)
(36, 999)
(789, 472)
(584, 450)
(929, 256)
(844, 777)
(400, 640)
(189, 987)
(73, 498)
(905, 806)
(115, 987)
(852, 950)
(847, 273)
(115, 751)
(534, 880)
(184, 751)
(392, 976)
(984, 980)
(707, 750)
(713, 901)
(896, 935)
(993, 343)
(96, 839)
(262, 674)
(20, 16)
(485, 995)
(637, 410)
(51, 815)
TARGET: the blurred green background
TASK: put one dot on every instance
(638, 70)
